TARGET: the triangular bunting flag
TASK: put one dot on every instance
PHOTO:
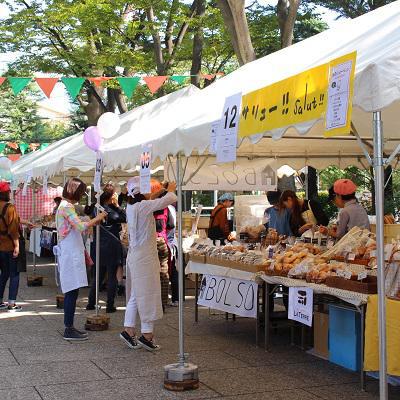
(2, 79)
(208, 77)
(46, 84)
(23, 147)
(18, 84)
(179, 79)
(43, 146)
(99, 80)
(2, 147)
(73, 85)
(128, 85)
(154, 82)
(14, 157)
(34, 146)
(12, 145)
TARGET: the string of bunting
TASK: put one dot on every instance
(74, 85)
(22, 147)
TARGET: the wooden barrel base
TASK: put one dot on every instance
(34, 281)
(60, 301)
(191, 384)
(97, 323)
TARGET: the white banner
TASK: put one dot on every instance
(98, 172)
(45, 183)
(231, 295)
(145, 173)
(243, 174)
(301, 305)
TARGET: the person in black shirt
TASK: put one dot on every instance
(110, 248)
(304, 213)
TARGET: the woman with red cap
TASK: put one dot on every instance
(9, 249)
(351, 214)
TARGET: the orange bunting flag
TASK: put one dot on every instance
(46, 84)
(154, 82)
(208, 77)
(99, 80)
(2, 79)
(13, 145)
(34, 146)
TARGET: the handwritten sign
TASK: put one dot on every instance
(302, 97)
(145, 173)
(45, 183)
(231, 295)
(301, 305)
(213, 137)
(28, 179)
(228, 128)
(98, 172)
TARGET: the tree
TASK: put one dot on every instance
(287, 14)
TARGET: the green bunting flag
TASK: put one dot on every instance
(43, 146)
(18, 84)
(2, 147)
(179, 79)
(73, 85)
(23, 147)
(128, 85)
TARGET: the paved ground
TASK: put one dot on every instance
(38, 364)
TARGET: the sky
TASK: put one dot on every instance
(59, 99)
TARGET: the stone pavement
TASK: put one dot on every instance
(38, 364)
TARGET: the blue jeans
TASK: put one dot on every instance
(69, 307)
(9, 270)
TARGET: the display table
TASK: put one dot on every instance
(351, 300)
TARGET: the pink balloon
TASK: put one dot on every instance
(92, 138)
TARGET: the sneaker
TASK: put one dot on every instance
(74, 335)
(174, 304)
(130, 341)
(3, 306)
(14, 308)
(148, 344)
(111, 309)
(83, 333)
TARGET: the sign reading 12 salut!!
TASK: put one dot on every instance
(322, 92)
(231, 295)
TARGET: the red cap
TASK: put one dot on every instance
(344, 187)
(4, 187)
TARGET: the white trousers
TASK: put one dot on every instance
(131, 314)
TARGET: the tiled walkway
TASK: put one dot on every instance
(36, 363)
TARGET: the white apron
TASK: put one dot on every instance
(143, 274)
(71, 262)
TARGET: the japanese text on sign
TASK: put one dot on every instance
(300, 98)
(98, 172)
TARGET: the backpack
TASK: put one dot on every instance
(215, 232)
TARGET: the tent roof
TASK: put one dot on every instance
(376, 38)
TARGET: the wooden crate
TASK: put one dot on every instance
(390, 231)
(367, 286)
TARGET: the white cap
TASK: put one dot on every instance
(133, 186)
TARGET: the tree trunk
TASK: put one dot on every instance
(287, 13)
(94, 107)
(198, 45)
(233, 13)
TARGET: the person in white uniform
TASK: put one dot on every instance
(143, 290)
(71, 253)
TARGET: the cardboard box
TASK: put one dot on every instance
(321, 334)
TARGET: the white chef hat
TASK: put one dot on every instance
(133, 186)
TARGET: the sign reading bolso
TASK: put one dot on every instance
(300, 98)
(243, 174)
(301, 305)
(231, 295)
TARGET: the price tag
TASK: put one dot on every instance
(347, 274)
(145, 173)
(228, 128)
(361, 276)
(351, 257)
(98, 171)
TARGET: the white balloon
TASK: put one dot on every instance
(5, 163)
(108, 125)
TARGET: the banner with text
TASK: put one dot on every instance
(301, 98)
(243, 174)
(231, 295)
(301, 305)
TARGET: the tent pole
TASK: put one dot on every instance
(34, 229)
(97, 255)
(182, 359)
(380, 258)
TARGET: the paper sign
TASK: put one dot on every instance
(300, 98)
(145, 174)
(231, 295)
(28, 179)
(228, 128)
(340, 94)
(301, 305)
(45, 179)
(213, 137)
(362, 275)
(98, 172)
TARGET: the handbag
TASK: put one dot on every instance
(308, 215)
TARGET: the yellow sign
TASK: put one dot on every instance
(300, 98)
